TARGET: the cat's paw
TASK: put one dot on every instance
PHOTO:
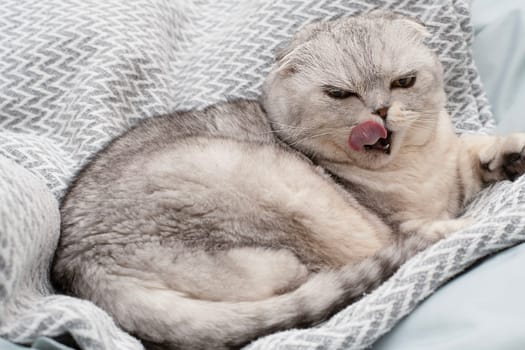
(505, 159)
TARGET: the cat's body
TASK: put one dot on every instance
(202, 230)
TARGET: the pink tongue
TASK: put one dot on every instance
(366, 133)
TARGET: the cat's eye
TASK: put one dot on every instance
(339, 93)
(404, 83)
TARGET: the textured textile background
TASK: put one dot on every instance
(76, 73)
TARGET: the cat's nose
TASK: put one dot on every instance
(382, 112)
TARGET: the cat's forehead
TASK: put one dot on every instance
(366, 47)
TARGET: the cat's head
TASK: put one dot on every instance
(356, 89)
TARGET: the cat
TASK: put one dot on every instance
(207, 229)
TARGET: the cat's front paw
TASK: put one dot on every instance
(514, 164)
(505, 160)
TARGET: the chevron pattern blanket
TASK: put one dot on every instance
(76, 73)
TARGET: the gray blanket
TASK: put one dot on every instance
(76, 73)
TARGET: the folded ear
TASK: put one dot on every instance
(416, 25)
(305, 34)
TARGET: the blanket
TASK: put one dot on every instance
(74, 74)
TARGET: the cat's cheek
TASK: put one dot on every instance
(396, 142)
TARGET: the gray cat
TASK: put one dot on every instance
(202, 230)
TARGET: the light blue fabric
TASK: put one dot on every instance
(5, 345)
(484, 308)
(499, 52)
(481, 310)
(41, 343)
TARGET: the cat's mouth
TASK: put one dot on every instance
(383, 144)
(370, 136)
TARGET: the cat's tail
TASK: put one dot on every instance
(169, 320)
